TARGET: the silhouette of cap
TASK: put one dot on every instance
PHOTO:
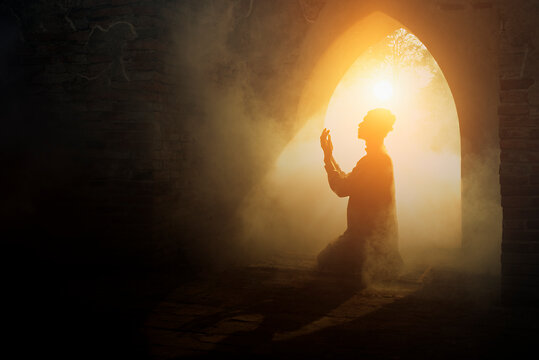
(381, 118)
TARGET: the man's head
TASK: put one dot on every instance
(376, 124)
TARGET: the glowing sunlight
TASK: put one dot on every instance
(383, 90)
(425, 142)
(399, 74)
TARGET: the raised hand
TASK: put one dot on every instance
(326, 144)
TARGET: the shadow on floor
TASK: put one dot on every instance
(286, 313)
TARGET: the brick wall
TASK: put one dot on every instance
(92, 98)
(116, 141)
(519, 142)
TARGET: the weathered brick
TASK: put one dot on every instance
(533, 224)
(110, 12)
(524, 144)
(513, 109)
(514, 179)
(514, 169)
(520, 258)
(99, 58)
(515, 268)
(515, 133)
(519, 156)
(510, 64)
(147, 65)
(514, 96)
(94, 3)
(79, 36)
(148, 26)
(482, 5)
(521, 213)
(516, 201)
(148, 10)
(511, 84)
(518, 288)
(452, 6)
(146, 85)
(146, 44)
(521, 246)
(519, 295)
(513, 224)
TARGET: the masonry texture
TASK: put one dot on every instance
(116, 148)
(519, 143)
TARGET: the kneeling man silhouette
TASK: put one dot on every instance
(369, 246)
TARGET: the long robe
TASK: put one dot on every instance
(370, 242)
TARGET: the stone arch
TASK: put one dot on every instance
(465, 53)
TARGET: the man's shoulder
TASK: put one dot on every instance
(381, 156)
(371, 162)
(378, 156)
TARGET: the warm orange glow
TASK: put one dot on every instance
(336, 59)
(383, 90)
(424, 147)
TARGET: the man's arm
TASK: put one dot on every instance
(338, 180)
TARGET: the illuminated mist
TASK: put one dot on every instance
(294, 208)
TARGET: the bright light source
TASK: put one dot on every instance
(383, 90)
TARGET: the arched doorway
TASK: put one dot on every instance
(343, 32)
(465, 54)
(400, 74)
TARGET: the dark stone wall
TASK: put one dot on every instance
(92, 91)
(519, 142)
(117, 143)
(116, 134)
(234, 101)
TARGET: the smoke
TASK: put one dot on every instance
(293, 209)
(230, 132)
(482, 214)
(257, 192)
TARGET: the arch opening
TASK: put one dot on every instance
(267, 210)
(400, 74)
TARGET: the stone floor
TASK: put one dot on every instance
(283, 308)
(277, 308)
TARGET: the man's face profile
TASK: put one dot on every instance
(363, 129)
(376, 124)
